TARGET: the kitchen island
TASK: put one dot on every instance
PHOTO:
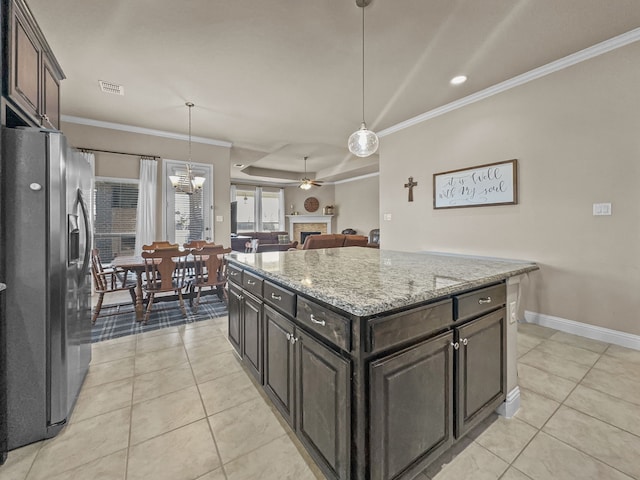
(378, 360)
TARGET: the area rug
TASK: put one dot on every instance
(124, 323)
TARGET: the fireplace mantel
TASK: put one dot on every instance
(295, 219)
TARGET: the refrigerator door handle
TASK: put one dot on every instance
(88, 235)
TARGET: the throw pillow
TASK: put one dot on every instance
(283, 239)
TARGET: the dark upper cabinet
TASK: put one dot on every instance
(33, 75)
(411, 401)
(481, 378)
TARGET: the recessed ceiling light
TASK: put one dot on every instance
(239, 165)
(459, 80)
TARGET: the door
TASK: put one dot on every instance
(411, 417)
(252, 334)
(188, 217)
(323, 417)
(481, 381)
(279, 362)
(235, 311)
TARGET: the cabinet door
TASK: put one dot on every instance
(323, 418)
(50, 97)
(25, 65)
(234, 314)
(411, 416)
(252, 334)
(278, 362)
(481, 369)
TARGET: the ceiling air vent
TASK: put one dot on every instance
(109, 87)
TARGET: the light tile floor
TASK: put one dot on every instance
(176, 404)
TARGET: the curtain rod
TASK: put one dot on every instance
(89, 150)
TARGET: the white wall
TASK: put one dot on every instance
(576, 135)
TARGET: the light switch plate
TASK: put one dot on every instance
(601, 209)
(219, 218)
(387, 217)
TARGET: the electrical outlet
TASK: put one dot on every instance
(512, 312)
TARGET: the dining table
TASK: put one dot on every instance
(136, 264)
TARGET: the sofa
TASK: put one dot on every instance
(264, 238)
(334, 241)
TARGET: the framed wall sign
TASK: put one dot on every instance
(490, 184)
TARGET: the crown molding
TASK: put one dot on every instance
(143, 131)
(555, 66)
(361, 177)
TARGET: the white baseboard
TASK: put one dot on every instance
(511, 405)
(593, 332)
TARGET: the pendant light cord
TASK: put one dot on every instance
(363, 7)
(190, 105)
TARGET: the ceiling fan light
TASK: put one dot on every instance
(363, 142)
(305, 186)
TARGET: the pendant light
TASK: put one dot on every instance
(187, 183)
(363, 142)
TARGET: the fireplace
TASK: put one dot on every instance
(304, 235)
(308, 223)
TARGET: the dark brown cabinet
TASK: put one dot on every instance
(411, 419)
(310, 385)
(252, 334)
(481, 369)
(234, 308)
(245, 328)
(34, 75)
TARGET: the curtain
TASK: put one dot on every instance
(146, 212)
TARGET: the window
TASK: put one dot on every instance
(114, 216)
(188, 217)
(259, 209)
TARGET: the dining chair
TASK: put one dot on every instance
(195, 244)
(165, 270)
(158, 244)
(109, 280)
(210, 271)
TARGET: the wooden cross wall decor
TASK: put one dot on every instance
(410, 186)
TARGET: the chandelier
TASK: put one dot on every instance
(363, 142)
(187, 183)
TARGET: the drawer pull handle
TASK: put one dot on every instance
(251, 282)
(455, 345)
(233, 274)
(276, 297)
(318, 322)
(484, 300)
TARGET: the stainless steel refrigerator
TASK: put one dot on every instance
(47, 240)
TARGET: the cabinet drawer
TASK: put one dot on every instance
(234, 274)
(252, 283)
(328, 324)
(475, 303)
(403, 327)
(281, 299)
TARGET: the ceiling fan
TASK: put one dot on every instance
(305, 182)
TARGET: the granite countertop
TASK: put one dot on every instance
(367, 281)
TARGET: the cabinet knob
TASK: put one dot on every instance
(293, 339)
(455, 345)
(317, 322)
(465, 341)
(483, 300)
